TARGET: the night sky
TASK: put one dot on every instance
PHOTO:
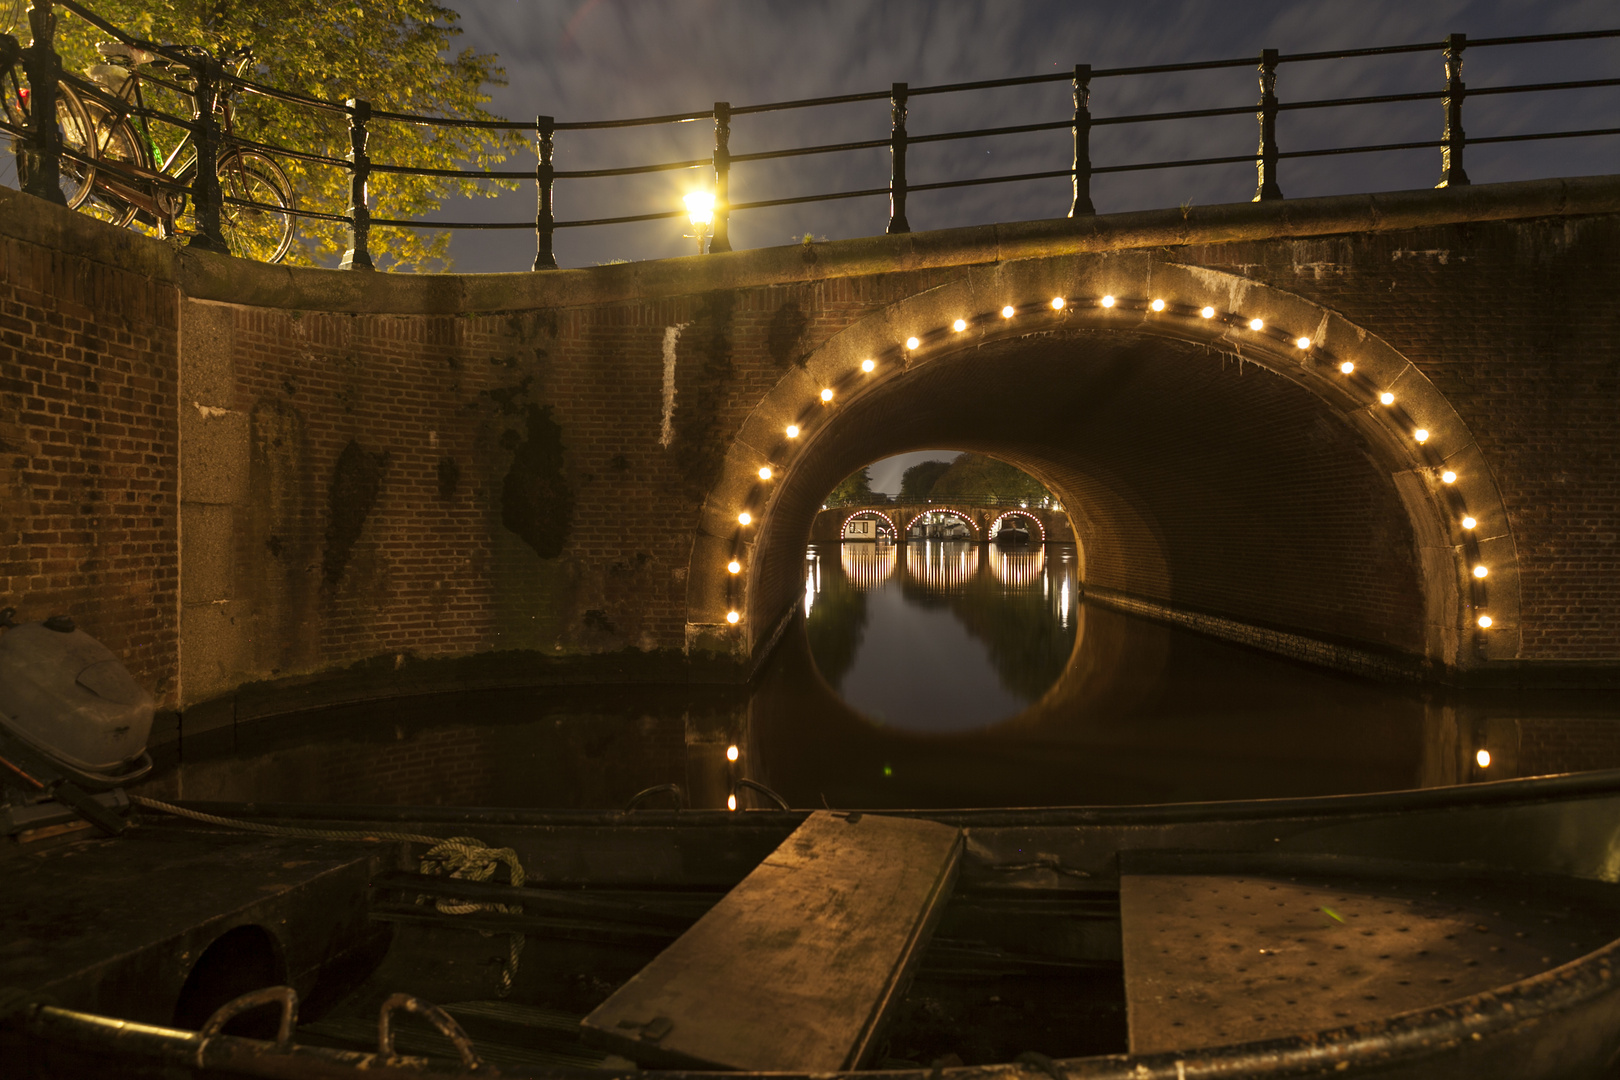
(602, 59)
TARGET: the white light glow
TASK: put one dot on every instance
(1157, 305)
(744, 518)
(731, 802)
(734, 566)
(793, 431)
(1448, 477)
(1347, 367)
(912, 343)
(1469, 522)
(1008, 312)
(1057, 303)
(1305, 343)
(700, 207)
(765, 472)
(1482, 571)
(1107, 301)
(1421, 434)
(869, 366)
(1484, 622)
(1208, 313)
(733, 618)
(1257, 324)
(1483, 758)
(731, 752)
(826, 394)
(1386, 398)
(959, 325)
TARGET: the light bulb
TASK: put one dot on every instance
(1008, 312)
(1481, 571)
(1057, 303)
(1469, 522)
(1484, 622)
(731, 752)
(744, 518)
(1305, 343)
(912, 343)
(1257, 324)
(734, 566)
(764, 472)
(1347, 367)
(1421, 434)
(731, 802)
(733, 618)
(869, 366)
(959, 325)
(1107, 301)
(1448, 477)
(1386, 398)
(1157, 305)
(793, 431)
(826, 394)
(1208, 312)
(1483, 758)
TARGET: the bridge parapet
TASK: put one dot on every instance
(982, 518)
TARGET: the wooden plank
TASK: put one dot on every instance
(800, 964)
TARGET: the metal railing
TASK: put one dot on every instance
(43, 145)
(877, 499)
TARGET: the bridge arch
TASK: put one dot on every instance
(1342, 496)
(961, 515)
(844, 524)
(995, 526)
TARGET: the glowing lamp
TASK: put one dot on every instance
(826, 395)
(1008, 312)
(1305, 343)
(731, 752)
(912, 343)
(1107, 301)
(734, 566)
(1484, 622)
(1481, 571)
(744, 518)
(1347, 367)
(1469, 522)
(1257, 324)
(869, 366)
(731, 802)
(793, 431)
(733, 618)
(1483, 758)
(1057, 303)
(700, 208)
(959, 325)
(1386, 398)
(1448, 477)
(764, 472)
(1421, 434)
(1157, 305)
(1208, 312)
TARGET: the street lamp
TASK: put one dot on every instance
(700, 206)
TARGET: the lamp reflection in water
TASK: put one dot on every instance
(1019, 568)
(867, 565)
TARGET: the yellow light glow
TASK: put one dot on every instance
(1208, 312)
(1481, 571)
(1157, 305)
(733, 618)
(1302, 343)
(1057, 303)
(1107, 301)
(826, 395)
(1469, 522)
(1347, 367)
(731, 802)
(734, 566)
(1257, 324)
(765, 472)
(959, 325)
(912, 343)
(1008, 312)
(1421, 434)
(744, 518)
(793, 431)
(1448, 477)
(1484, 622)
(1483, 758)
(700, 206)
(869, 366)
(1387, 398)
(731, 752)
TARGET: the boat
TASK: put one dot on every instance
(1461, 931)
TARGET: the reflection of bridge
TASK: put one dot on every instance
(940, 520)
(945, 567)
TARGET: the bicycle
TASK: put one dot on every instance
(115, 172)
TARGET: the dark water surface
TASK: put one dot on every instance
(943, 675)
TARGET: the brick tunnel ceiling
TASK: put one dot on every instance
(1192, 479)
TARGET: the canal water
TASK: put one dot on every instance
(937, 674)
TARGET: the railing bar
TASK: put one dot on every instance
(988, 84)
(796, 199)
(1159, 69)
(1328, 151)
(1000, 179)
(286, 95)
(284, 151)
(466, 174)
(1579, 84)
(1536, 39)
(273, 208)
(1140, 166)
(805, 103)
(640, 121)
(628, 170)
(799, 151)
(1376, 99)
(663, 215)
(944, 136)
(1349, 54)
(1543, 135)
(402, 223)
(1187, 114)
(451, 121)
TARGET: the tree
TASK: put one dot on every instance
(917, 481)
(977, 476)
(856, 487)
(391, 53)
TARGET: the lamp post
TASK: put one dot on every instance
(700, 207)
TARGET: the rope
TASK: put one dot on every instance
(461, 858)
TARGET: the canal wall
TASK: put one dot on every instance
(269, 487)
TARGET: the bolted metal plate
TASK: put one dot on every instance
(1215, 959)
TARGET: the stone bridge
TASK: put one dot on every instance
(1370, 424)
(1044, 526)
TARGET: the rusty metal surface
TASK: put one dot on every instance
(1214, 959)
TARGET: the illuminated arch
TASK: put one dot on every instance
(995, 526)
(843, 524)
(961, 515)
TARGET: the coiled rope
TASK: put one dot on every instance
(461, 858)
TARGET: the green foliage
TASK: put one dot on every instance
(917, 481)
(975, 475)
(856, 487)
(396, 54)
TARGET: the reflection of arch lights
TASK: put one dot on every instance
(866, 566)
(995, 526)
(1017, 568)
(941, 567)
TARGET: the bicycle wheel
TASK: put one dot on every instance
(254, 232)
(76, 177)
(117, 144)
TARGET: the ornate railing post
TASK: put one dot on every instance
(206, 197)
(1082, 142)
(1266, 157)
(1452, 173)
(720, 239)
(358, 257)
(897, 154)
(43, 146)
(545, 174)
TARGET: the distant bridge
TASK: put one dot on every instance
(977, 521)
